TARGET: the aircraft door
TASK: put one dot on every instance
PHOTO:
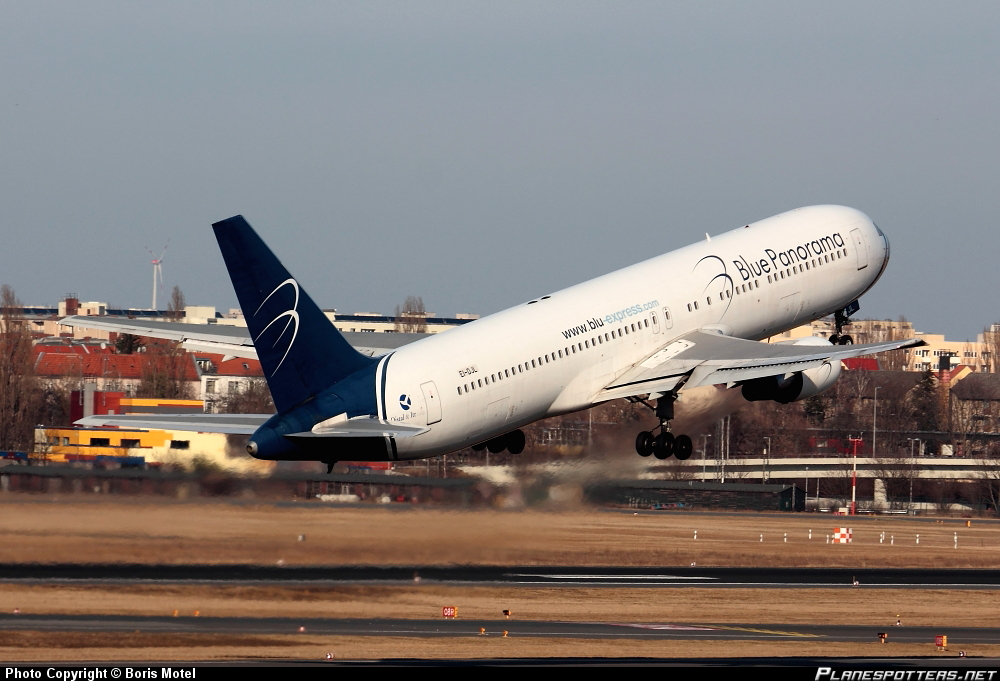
(432, 400)
(862, 248)
(497, 414)
(668, 321)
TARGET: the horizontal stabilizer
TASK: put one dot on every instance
(361, 426)
(235, 424)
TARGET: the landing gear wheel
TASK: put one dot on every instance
(515, 442)
(496, 445)
(683, 447)
(846, 340)
(834, 339)
(663, 445)
(644, 443)
(479, 447)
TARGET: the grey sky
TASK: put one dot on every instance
(479, 155)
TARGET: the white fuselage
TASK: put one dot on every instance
(556, 354)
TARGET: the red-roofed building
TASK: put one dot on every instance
(221, 378)
(867, 363)
(112, 372)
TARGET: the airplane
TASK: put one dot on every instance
(692, 317)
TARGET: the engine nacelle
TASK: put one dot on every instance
(795, 386)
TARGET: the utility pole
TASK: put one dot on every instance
(854, 475)
(874, 416)
(767, 453)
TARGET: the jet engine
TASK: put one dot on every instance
(795, 386)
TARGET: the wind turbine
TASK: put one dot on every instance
(157, 270)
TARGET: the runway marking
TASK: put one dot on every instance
(663, 627)
(619, 577)
(770, 632)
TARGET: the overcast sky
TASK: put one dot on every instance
(482, 154)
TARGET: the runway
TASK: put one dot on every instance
(517, 576)
(457, 627)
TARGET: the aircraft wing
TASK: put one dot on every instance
(700, 358)
(236, 424)
(232, 341)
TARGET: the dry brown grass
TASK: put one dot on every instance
(219, 532)
(52, 647)
(39, 529)
(767, 607)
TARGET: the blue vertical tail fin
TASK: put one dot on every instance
(300, 350)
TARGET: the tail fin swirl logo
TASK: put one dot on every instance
(292, 315)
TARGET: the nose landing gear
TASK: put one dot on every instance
(664, 444)
(841, 318)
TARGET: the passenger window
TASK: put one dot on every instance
(708, 299)
(586, 344)
(689, 307)
(532, 364)
(480, 383)
(459, 390)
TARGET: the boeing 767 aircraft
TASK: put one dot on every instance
(689, 318)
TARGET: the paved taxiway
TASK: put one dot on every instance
(470, 627)
(533, 576)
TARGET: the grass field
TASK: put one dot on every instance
(66, 530)
(42, 529)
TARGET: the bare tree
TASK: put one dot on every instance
(878, 330)
(412, 316)
(991, 348)
(175, 308)
(17, 379)
(254, 398)
(989, 479)
(165, 371)
(127, 344)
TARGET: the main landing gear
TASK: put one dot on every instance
(513, 442)
(664, 444)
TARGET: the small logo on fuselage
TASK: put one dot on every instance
(404, 402)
